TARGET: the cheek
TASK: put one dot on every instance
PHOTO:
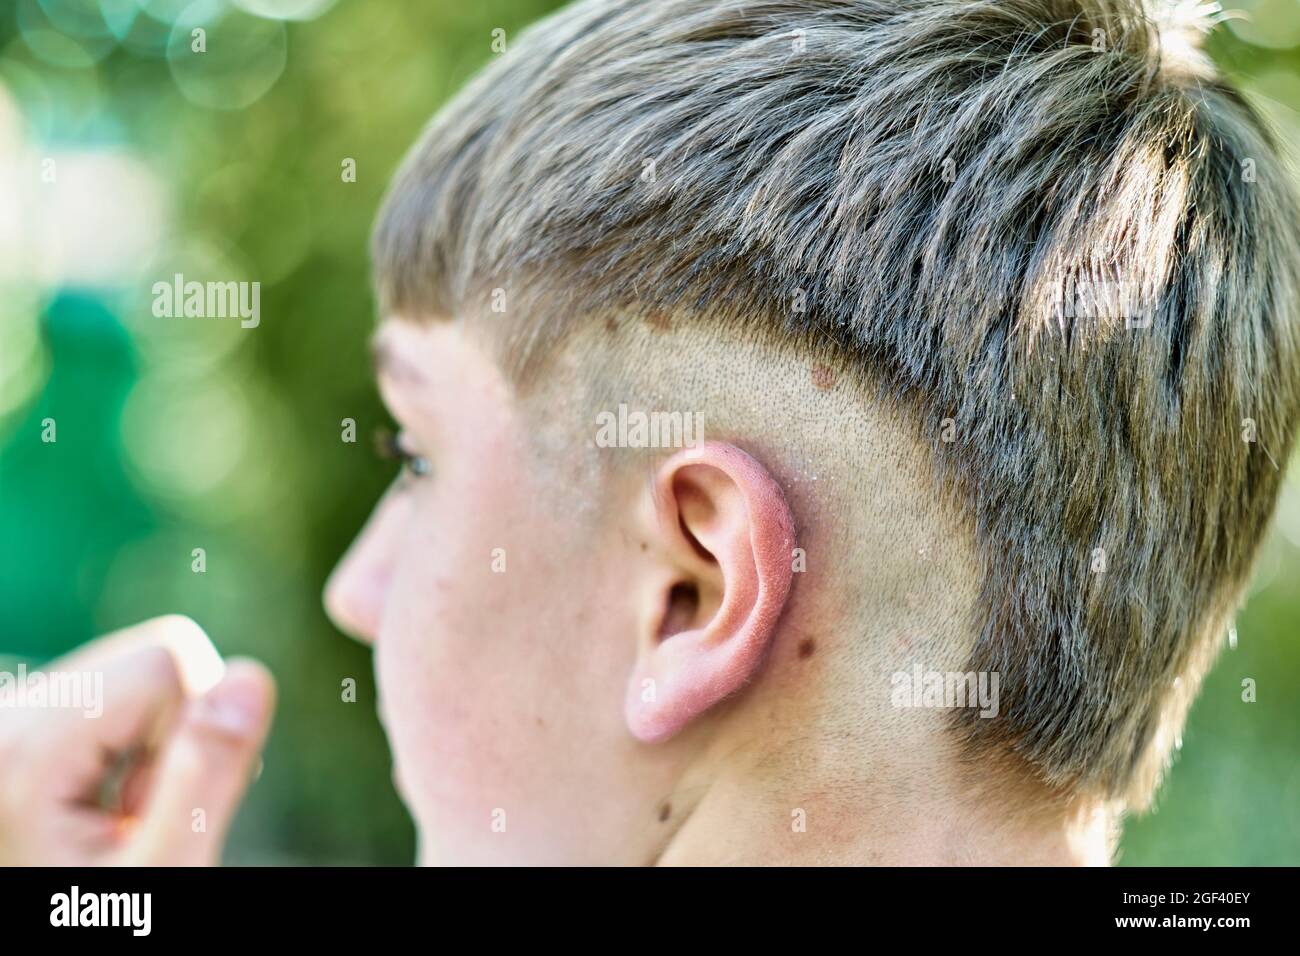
(470, 657)
(502, 674)
(437, 654)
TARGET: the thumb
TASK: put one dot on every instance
(204, 770)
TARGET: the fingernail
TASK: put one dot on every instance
(233, 706)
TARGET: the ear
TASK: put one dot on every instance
(725, 534)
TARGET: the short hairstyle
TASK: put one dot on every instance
(1046, 227)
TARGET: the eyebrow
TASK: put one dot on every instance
(389, 364)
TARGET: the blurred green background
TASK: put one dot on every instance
(125, 158)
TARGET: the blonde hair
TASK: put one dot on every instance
(925, 186)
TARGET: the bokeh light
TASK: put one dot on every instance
(286, 9)
(1274, 24)
(223, 58)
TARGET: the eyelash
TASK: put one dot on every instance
(388, 445)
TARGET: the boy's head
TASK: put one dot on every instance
(978, 319)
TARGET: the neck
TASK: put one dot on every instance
(900, 811)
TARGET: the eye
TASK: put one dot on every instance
(392, 446)
(418, 466)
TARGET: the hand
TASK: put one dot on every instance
(152, 780)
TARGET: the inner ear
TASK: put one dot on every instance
(689, 499)
(681, 609)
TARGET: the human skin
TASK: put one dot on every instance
(520, 691)
(200, 743)
(515, 695)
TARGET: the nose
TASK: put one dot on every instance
(358, 589)
(353, 599)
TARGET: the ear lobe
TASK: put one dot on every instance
(728, 532)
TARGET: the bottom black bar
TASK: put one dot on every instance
(338, 905)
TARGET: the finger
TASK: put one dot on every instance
(123, 707)
(115, 693)
(196, 660)
(204, 770)
(171, 650)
